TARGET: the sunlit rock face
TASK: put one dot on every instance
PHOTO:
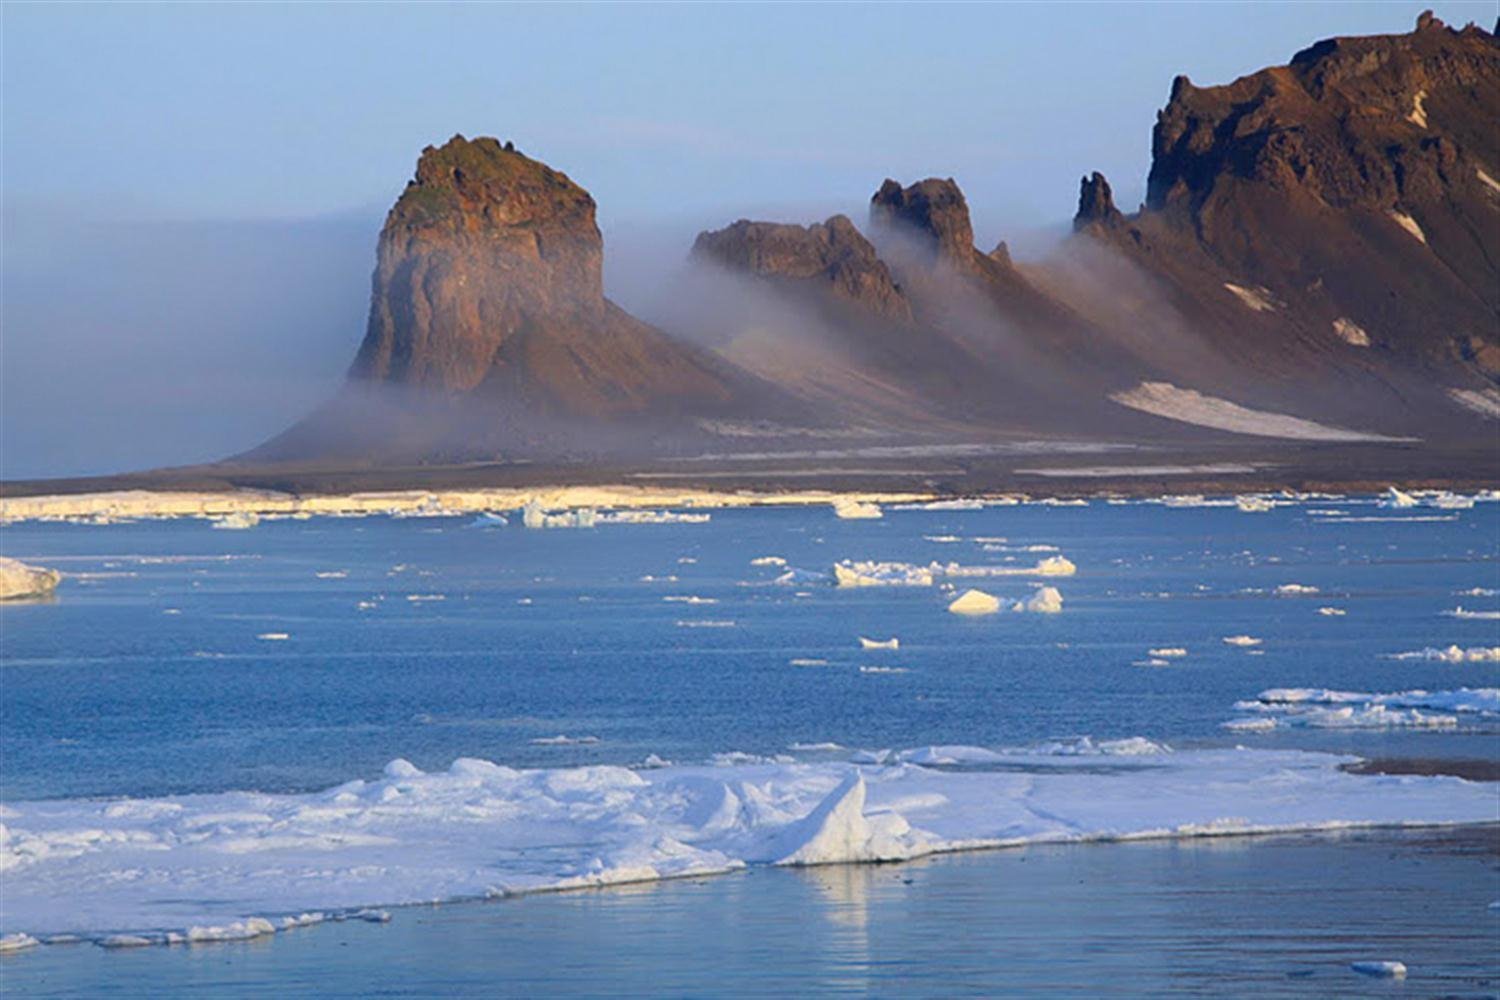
(489, 280)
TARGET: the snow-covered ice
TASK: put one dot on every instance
(1321, 708)
(974, 602)
(19, 582)
(1453, 654)
(244, 861)
(1046, 601)
(855, 510)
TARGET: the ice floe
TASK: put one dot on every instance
(238, 521)
(974, 602)
(854, 510)
(137, 875)
(651, 517)
(1463, 612)
(850, 573)
(1453, 654)
(1164, 399)
(1295, 589)
(273, 636)
(21, 582)
(1046, 600)
(1241, 640)
(1332, 612)
(892, 643)
(1168, 652)
(1321, 708)
(768, 561)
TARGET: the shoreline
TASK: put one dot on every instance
(263, 928)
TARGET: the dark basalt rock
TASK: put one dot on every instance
(832, 257)
(933, 213)
(1096, 205)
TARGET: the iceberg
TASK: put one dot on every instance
(892, 643)
(856, 510)
(1396, 499)
(234, 865)
(20, 582)
(1046, 600)
(974, 602)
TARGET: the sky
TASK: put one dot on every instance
(191, 193)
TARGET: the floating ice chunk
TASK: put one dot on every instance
(1050, 566)
(489, 519)
(1241, 640)
(332, 574)
(704, 623)
(690, 599)
(1395, 498)
(1380, 970)
(892, 643)
(171, 611)
(422, 598)
(795, 577)
(1259, 725)
(534, 516)
(1350, 332)
(1169, 652)
(651, 517)
(240, 930)
(129, 941)
(807, 661)
(1164, 399)
(882, 670)
(238, 521)
(20, 582)
(1295, 589)
(1153, 662)
(1332, 612)
(561, 740)
(16, 942)
(975, 602)
(1253, 505)
(816, 747)
(1479, 592)
(1046, 600)
(942, 539)
(273, 636)
(881, 574)
(1463, 612)
(768, 561)
(856, 510)
(1407, 223)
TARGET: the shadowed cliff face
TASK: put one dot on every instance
(489, 282)
(1350, 198)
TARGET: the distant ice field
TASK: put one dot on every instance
(221, 734)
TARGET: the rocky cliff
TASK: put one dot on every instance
(1342, 210)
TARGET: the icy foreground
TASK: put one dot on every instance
(214, 866)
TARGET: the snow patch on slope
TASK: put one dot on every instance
(1189, 406)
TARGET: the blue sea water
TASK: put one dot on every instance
(146, 676)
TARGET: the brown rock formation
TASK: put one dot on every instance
(489, 280)
(832, 257)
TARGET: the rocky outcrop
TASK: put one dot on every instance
(1354, 188)
(1096, 205)
(932, 213)
(489, 280)
(831, 258)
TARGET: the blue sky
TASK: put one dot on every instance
(679, 117)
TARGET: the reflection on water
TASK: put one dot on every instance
(1274, 917)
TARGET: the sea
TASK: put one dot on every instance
(451, 755)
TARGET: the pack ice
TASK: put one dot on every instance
(206, 866)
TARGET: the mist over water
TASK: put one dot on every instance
(134, 344)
